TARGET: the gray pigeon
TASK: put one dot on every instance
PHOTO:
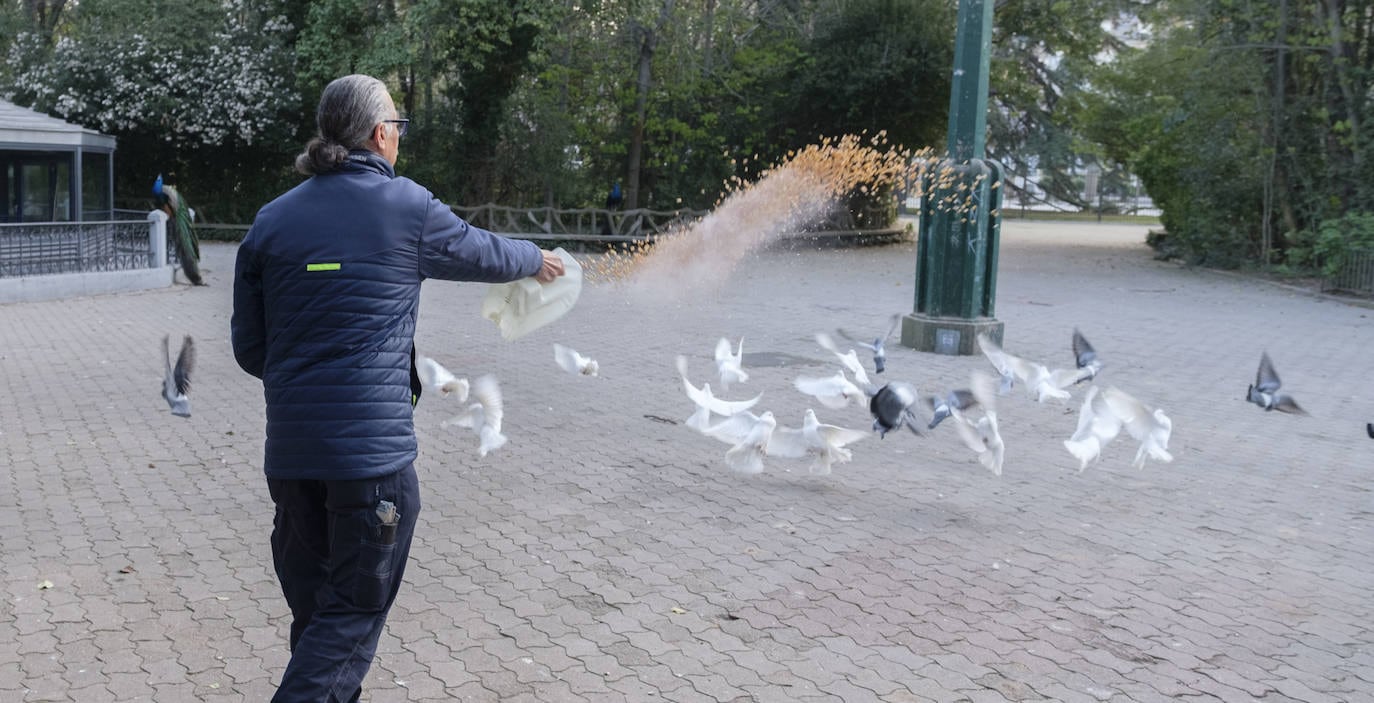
(1085, 356)
(177, 380)
(891, 407)
(1265, 391)
(876, 346)
(941, 408)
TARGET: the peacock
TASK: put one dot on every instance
(184, 238)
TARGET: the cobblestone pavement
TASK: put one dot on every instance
(607, 554)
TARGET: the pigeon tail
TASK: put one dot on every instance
(1084, 450)
(1154, 451)
(491, 440)
(991, 461)
(745, 459)
(699, 420)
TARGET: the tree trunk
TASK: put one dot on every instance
(44, 15)
(709, 30)
(642, 86)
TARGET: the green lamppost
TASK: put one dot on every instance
(956, 264)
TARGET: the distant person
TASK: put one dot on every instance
(326, 294)
(181, 223)
(613, 202)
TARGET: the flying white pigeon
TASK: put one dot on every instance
(850, 359)
(833, 392)
(729, 364)
(707, 403)
(982, 434)
(1265, 391)
(572, 362)
(176, 380)
(749, 436)
(484, 416)
(1103, 416)
(1039, 380)
(877, 345)
(825, 444)
(435, 376)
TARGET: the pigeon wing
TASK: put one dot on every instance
(787, 442)
(1083, 353)
(982, 391)
(968, 432)
(896, 321)
(1285, 403)
(852, 340)
(471, 418)
(831, 391)
(186, 364)
(837, 436)
(723, 349)
(1138, 419)
(851, 362)
(733, 429)
(487, 391)
(1266, 379)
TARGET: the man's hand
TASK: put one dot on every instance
(552, 268)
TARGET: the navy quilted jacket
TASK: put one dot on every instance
(326, 291)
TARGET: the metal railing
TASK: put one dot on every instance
(574, 221)
(41, 248)
(1356, 274)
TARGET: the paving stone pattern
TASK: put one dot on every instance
(607, 554)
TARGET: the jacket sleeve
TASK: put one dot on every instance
(248, 326)
(453, 250)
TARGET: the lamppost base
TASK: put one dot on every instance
(948, 335)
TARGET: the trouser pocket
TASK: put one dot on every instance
(372, 585)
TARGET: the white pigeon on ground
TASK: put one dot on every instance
(1040, 382)
(434, 375)
(730, 364)
(850, 359)
(877, 345)
(982, 434)
(825, 444)
(833, 392)
(707, 403)
(176, 380)
(572, 362)
(1102, 418)
(749, 436)
(484, 416)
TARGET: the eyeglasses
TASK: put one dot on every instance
(402, 126)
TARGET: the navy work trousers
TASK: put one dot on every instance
(339, 576)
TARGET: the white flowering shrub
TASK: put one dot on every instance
(235, 88)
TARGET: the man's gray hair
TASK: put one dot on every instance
(349, 108)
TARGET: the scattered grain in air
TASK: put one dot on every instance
(783, 198)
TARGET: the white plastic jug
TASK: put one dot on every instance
(523, 306)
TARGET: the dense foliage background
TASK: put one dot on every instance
(1244, 120)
